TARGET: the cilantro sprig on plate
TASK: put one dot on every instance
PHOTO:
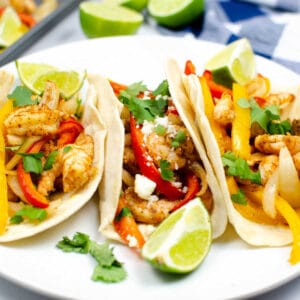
(108, 268)
(143, 109)
(22, 96)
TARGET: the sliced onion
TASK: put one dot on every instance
(288, 181)
(269, 195)
(13, 183)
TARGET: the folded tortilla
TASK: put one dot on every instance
(111, 185)
(256, 234)
(64, 205)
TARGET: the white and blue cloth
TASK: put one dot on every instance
(272, 27)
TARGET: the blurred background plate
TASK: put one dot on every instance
(64, 7)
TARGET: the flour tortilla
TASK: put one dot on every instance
(253, 233)
(111, 185)
(64, 205)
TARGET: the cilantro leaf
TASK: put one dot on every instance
(102, 253)
(67, 149)
(165, 171)
(32, 162)
(162, 89)
(111, 274)
(280, 127)
(237, 166)
(50, 160)
(22, 96)
(160, 129)
(30, 212)
(239, 197)
(135, 89)
(179, 138)
(79, 244)
(125, 212)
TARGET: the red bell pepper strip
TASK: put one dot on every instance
(147, 166)
(68, 131)
(216, 89)
(189, 68)
(27, 19)
(126, 226)
(193, 189)
(27, 186)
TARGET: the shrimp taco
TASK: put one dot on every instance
(251, 133)
(53, 156)
(155, 161)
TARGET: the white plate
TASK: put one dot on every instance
(232, 268)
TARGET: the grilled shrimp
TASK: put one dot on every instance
(223, 111)
(271, 144)
(267, 166)
(160, 147)
(24, 6)
(7, 81)
(75, 166)
(50, 95)
(33, 120)
(280, 99)
(149, 212)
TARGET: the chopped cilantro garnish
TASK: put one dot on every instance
(239, 197)
(142, 109)
(165, 171)
(162, 89)
(30, 212)
(237, 166)
(67, 149)
(78, 112)
(22, 96)
(50, 160)
(108, 269)
(125, 212)
(32, 162)
(179, 138)
(160, 129)
(268, 118)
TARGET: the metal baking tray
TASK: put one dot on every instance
(15, 50)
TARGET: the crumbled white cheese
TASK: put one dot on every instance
(132, 242)
(143, 186)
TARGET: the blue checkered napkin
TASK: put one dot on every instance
(272, 27)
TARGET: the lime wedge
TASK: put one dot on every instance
(102, 19)
(175, 13)
(181, 242)
(68, 83)
(11, 27)
(137, 5)
(235, 63)
(29, 72)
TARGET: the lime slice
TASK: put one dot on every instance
(102, 19)
(175, 13)
(137, 5)
(11, 27)
(68, 83)
(235, 63)
(29, 72)
(181, 242)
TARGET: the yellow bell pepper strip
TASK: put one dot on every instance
(218, 130)
(241, 125)
(32, 195)
(293, 219)
(6, 108)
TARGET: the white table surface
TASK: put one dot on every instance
(67, 31)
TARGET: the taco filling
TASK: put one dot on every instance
(255, 152)
(161, 168)
(49, 158)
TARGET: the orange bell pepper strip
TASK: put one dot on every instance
(219, 132)
(68, 131)
(189, 68)
(147, 166)
(241, 124)
(117, 87)
(126, 226)
(31, 194)
(6, 108)
(193, 189)
(27, 19)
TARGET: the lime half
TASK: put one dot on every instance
(137, 5)
(11, 27)
(181, 241)
(175, 13)
(103, 19)
(235, 63)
